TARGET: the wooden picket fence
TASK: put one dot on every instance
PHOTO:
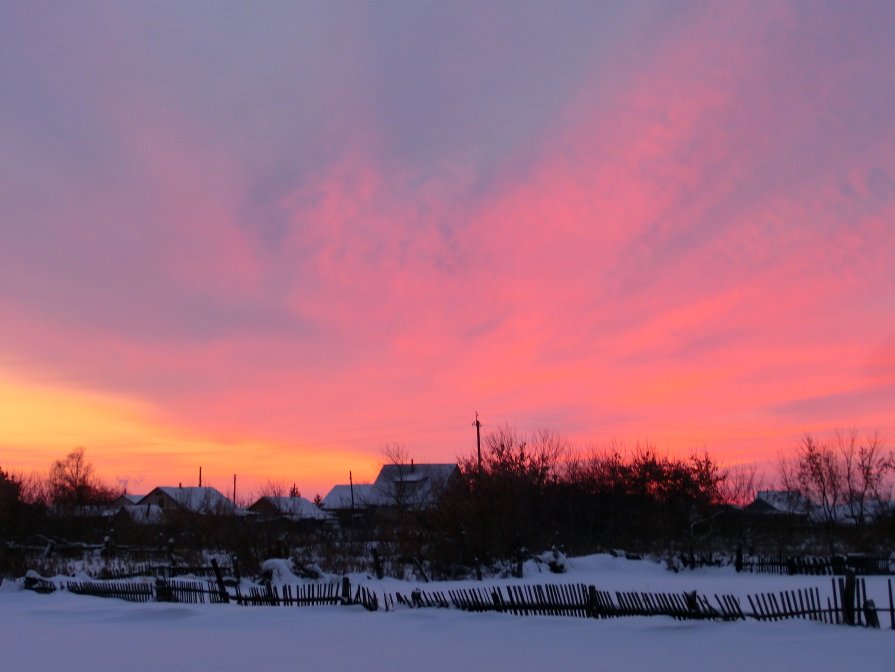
(847, 606)
(778, 564)
(122, 590)
(303, 595)
(577, 600)
(417, 599)
(814, 565)
(803, 603)
(189, 592)
(366, 598)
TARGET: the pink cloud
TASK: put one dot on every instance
(698, 237)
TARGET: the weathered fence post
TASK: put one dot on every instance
(377, 564)
(419, 568)
(235, 562)
(163, 591)
(219, 577)
(871, 618)
(517, 568)
(592, 604)
(837, 562)
(346, 590)
(848, 597)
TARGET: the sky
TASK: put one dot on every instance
(270, 239)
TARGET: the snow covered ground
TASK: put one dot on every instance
(77, 634)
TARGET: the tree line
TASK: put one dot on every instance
(534, 491)
(845, 477)
(529, 492)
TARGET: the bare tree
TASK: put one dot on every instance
(273, 488)
(820, 476)
(880, 466)
(72, 482)
(35, 489)
(396, 454)
(844, 474)
(741, 485)
(846, 442)
(864, 466)
(397, 457)
(536, 459)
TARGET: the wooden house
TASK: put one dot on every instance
(198, 500)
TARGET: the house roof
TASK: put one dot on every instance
(792, 501)
(779, 501)
(127, 498)
(411, 484)
(195, 499)
(340, 496)
(292, 507)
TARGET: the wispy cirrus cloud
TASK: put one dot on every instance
(669, 221)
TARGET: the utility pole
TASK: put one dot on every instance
(200, 477)
(234, 488)
(351, 486)
(478, 439)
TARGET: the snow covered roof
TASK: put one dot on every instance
(855, 512)
(195, 499)
(126, 498)
(781, 501)
(792, 501)
(293, 507)
(411, 484)
(340, 497)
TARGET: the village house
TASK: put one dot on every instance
(291, 508)
(779, 502)
(198, 500)
(345, 497)
(295, 514)
(416, 486)
(412, 486)
(141, 514)
(125, 499)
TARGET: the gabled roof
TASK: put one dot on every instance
(195, 499)
(339, 498)
(292, 507)
(126, 498)
(417, 485)
(780, 501)
(846, 514)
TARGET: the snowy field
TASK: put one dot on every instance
(80, 634)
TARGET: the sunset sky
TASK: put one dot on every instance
(269, 238)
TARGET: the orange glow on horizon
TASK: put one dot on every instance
(130, 446)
